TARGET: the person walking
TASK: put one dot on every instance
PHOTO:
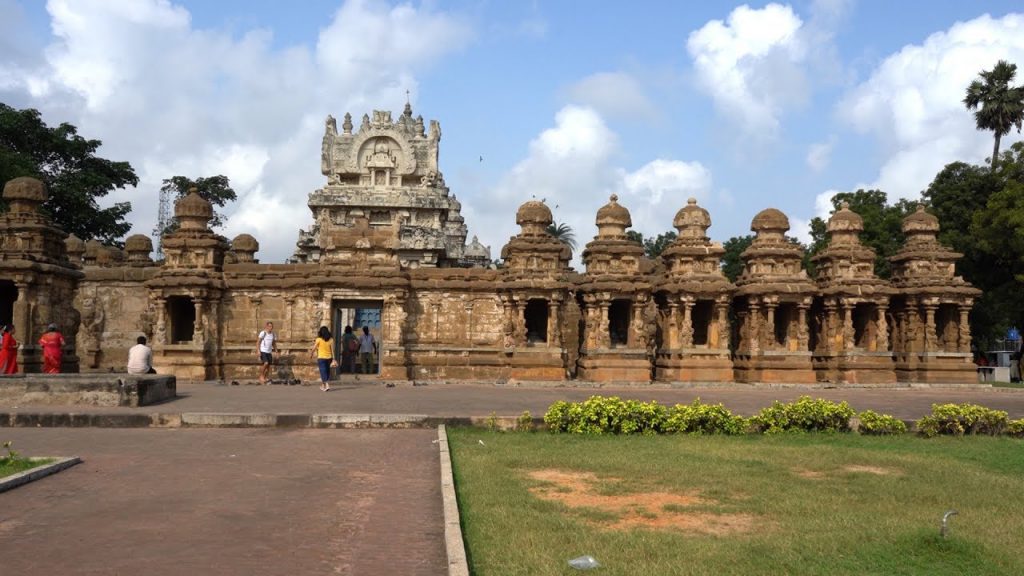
(367, 348)
(323, 351)
(349, 350)
(52, 343)
(8, 351)
(266, 345)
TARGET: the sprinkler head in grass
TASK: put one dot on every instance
(944, 529)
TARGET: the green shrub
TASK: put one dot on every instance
(875, 424)
(525, 422)
(600, 415)
(804, 415)
(1015, 428)
(699, 418)
(961, 419)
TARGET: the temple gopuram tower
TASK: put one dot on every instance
(850, 340)
(186, 295)
(534, 292)
(693, 301)
(932, 335)
(37, 280)
(772, 301)
(618, 311)
(383, 181)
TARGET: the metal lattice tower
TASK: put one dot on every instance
(163, 219)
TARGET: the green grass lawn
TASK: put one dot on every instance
(790, 504)
(20, 465)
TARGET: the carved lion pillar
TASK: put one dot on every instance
(554, 325)
(930, 339)
(802, 336)
(687, 329)
(754, 327)
(672, 326)
(964, 332)
(199, 327)
(848, 332)
(828, 328)
(721, 326)
(882, 337)
(769, 326)
(604, 337)
(160, 336)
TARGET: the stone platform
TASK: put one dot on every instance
(107, 390)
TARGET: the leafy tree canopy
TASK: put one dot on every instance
(653, 247)
(732, 264)
(75, 177)
(216, 190)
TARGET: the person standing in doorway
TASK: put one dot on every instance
(266, 345)
(52, 343)
(367, 348)
(8, 351)
(349, 350)
(323, 351)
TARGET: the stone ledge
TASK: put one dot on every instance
(455, 548)
(91, 389)
(15, 480)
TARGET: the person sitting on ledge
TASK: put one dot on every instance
(140, 358)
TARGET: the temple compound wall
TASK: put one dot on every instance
(387, 250)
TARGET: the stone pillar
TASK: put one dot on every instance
(964, 335)
(468, 307)
(198, 331)
(848, 332)
(882, 337)
(554, 325)
(802, 337)
(770, 343)
(672, 330)
(722, 326)
(930, 338)
(754, 327)
(687, 329)
(604, 337)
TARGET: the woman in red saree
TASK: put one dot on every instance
(52, 343)
(9, 351)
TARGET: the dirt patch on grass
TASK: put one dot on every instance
(809, 474)
(650, 510)
(876, 470)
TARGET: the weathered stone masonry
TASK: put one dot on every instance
(388, 238)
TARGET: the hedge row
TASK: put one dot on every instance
(612, 415)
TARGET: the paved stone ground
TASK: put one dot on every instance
(226, 502)
(460, 400)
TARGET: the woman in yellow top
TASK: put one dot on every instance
(323, 349)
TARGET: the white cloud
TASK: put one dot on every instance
(173, 99)
(912, 103)
(572, 167)
(751, 65)
(613, 94)
(820, 154)
(823, 204)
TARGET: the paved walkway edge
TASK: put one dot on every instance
(245, 420)
(15, 480)
(456, 549)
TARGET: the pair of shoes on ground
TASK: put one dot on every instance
(325, 388)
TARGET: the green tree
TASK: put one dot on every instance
(563, 232)
(635, 236)
(732, 264)
(997, 106)
(216, 190)
(653, 247)
(883, 225)
(75, 177)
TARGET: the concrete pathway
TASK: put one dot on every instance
(475, 400)
(227, 502)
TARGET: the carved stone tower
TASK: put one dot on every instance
(932, 335)
(773, 297)
(693, 300)
(850, 327)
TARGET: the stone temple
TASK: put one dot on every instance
(387, 249)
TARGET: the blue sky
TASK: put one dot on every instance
(742, 106)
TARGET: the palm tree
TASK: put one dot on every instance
(1001, 105)
(563, 232)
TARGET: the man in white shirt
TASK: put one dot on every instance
(266, 344)
(140, 358)
(367, 347)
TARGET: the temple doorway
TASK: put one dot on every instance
(356, 314)
(181, 311)
(8, 296)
